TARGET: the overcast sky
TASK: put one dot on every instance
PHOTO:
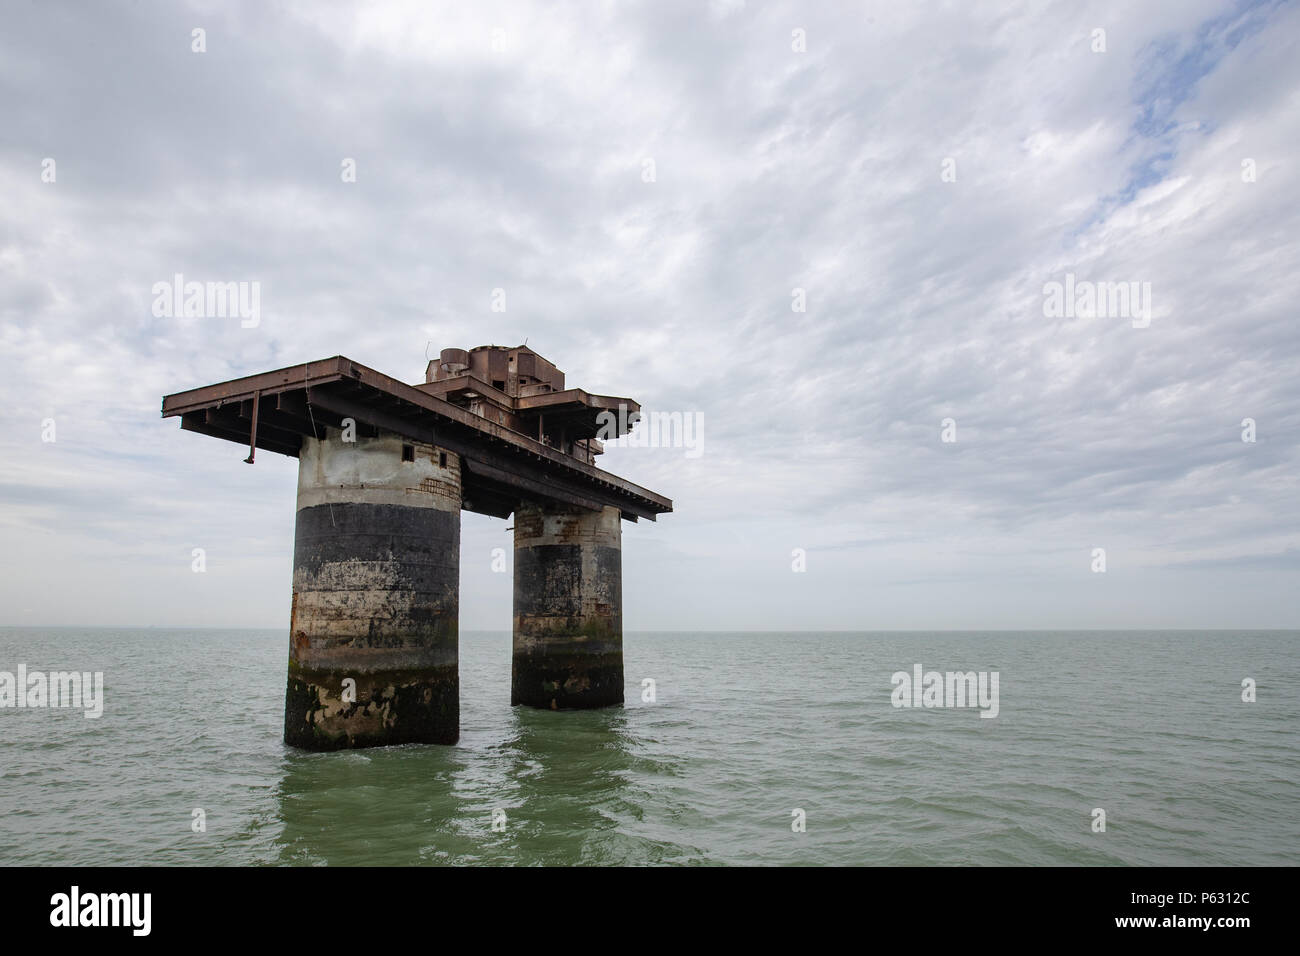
(921, 171)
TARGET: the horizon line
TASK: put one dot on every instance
(766, 630)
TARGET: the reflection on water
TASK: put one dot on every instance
(563, 780)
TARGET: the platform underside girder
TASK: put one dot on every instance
(274, 410)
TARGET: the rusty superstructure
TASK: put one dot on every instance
(384, 470)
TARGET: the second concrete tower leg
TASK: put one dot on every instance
(568, 608)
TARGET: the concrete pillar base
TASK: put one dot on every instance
(373, 651)
(568, 608)
(389, 708)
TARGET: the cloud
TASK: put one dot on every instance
(502, 146)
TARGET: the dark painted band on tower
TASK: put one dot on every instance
(373, 651)
(568, 608)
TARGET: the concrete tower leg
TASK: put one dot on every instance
(373, 648)
(568, 608)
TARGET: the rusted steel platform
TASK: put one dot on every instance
(272, 411)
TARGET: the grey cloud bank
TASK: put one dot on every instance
(919, 174)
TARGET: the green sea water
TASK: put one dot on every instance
(745, 730)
